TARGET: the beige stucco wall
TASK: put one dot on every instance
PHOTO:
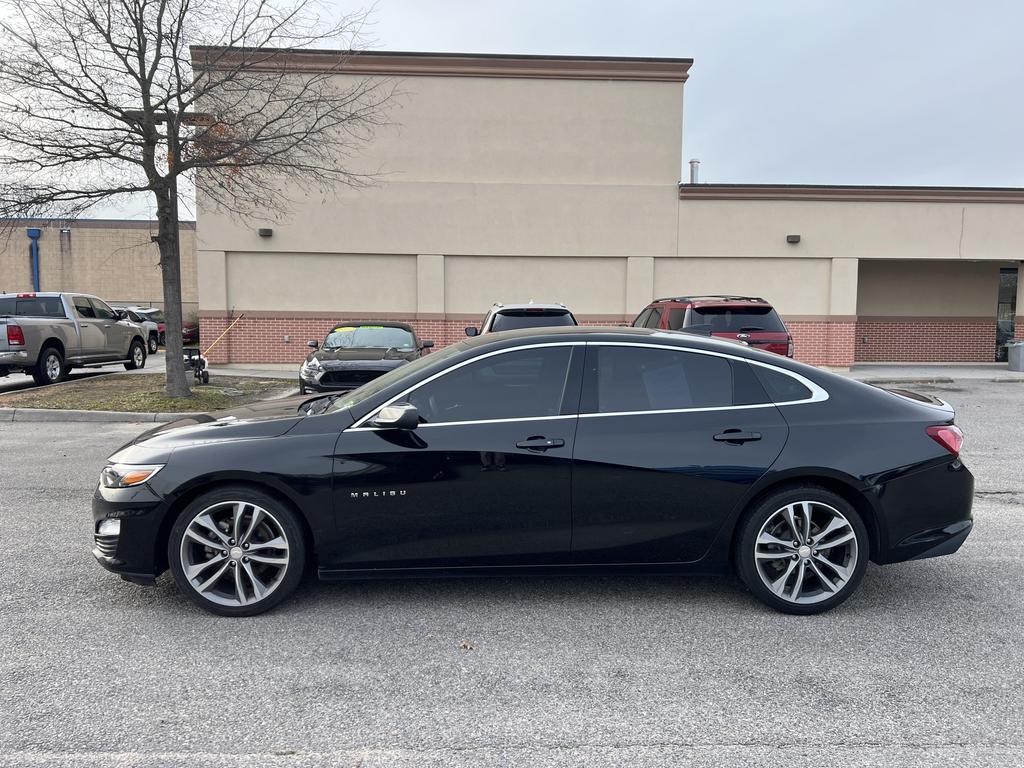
(312, 282)
(114, 260)
(953, 289)
(862, 230)
(794, 286)
(510, 166)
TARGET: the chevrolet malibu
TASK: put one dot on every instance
(546, 450)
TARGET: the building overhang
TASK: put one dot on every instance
(412, 64)
(851, 193)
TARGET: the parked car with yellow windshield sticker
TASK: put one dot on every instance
(355, 353)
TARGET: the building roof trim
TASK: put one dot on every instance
(90, 223)
(431, 64)
(851, 193)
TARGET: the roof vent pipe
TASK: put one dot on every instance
(694, 170)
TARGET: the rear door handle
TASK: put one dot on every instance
(737, 436)
(540, 443)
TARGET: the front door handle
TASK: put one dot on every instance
(540, 443)
(737, 436)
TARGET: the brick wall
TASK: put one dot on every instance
(923, 341)
(817, 342)
(821, 342)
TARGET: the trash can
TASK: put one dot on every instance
(1015, 354)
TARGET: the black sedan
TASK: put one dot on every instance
(353, 354)
(547, 450)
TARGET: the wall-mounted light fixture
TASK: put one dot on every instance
(792, 239)
(265, 232)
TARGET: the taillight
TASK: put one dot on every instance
(15, 335)
(948, 436)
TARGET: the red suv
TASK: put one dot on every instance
(749, 319)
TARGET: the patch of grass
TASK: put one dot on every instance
(144, 393)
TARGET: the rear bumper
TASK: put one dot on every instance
(135, 552)
(926, 513)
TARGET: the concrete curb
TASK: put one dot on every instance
(54, 414)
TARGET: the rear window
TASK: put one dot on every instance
(736, 319)
(516, 319)
(36, 306)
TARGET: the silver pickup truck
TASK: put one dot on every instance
(48, 334)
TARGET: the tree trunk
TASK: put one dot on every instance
(170, 265)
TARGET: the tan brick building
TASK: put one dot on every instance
(110, 258)
(506, 178)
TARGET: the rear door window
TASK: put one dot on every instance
(84, 307)
(634, 378)
(655, 318)
(737, 319)
(675, 318)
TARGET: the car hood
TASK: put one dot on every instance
(267, 418)
(346, 356)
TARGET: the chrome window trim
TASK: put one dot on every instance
(818, 394)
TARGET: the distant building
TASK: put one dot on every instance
(113, 259)
(509, 178)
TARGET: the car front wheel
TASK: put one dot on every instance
(236, 551)
(153, 344)
(136, 356)
(803, 550)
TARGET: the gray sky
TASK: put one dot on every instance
(788, 91)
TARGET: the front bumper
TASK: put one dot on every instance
(134, 553)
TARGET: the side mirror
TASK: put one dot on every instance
(471, 331)
(397, 416)
(426, 344)
(313, 344)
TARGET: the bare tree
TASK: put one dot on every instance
(104, 99)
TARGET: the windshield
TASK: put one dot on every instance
(156, 315)
(360, 336)
(381, 383)
(509, 321)
(737, 319)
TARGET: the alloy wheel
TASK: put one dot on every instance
(234, 553)
(52, 367)
(806, 552)
(138, 355)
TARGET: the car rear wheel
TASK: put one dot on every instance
(803, 550)
(236, 551)
(50, 367)
(136, 356)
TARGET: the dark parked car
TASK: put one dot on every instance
(514, 317)
(354, 354)
(749, 319)
(547, 450)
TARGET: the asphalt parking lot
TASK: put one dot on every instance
(924, 666)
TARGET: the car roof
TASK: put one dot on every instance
(715, 299)
(364, 323)
(500, 307)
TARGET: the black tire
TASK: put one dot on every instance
(153, 344)
(804, 561)
(284, 522)
(205, 377)
(302, 388)
(136, 356)
(50, 367)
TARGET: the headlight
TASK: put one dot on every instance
(127, 475)
(312, 366)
